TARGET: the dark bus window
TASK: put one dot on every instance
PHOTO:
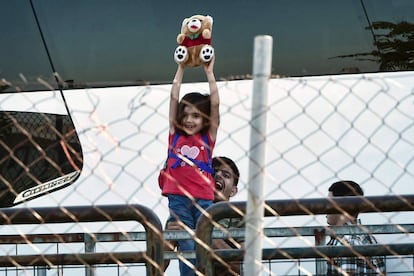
(99, 43)
(39, 153)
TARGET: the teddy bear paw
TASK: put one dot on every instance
(180, 54)
(207, 53)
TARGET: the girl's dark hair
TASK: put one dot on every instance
(199, 101)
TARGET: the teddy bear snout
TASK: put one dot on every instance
(194, 25)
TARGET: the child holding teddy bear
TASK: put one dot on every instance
(187, 180)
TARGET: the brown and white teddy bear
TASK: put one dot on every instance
(195, 41)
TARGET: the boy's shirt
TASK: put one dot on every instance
(355, 265)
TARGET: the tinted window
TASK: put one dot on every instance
(40, 151)
(99, 43)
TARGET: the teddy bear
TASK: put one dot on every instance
(194, 42)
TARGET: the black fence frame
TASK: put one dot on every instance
(155, 238)
(153, 256)
(206, 256)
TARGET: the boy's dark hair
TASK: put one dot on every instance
(346, 188)
(199, 101)
(222, 160)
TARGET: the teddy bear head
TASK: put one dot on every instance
(197, 24)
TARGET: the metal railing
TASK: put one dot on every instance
(206, 255)
(152, 257)
(154, 238)
(91, 239)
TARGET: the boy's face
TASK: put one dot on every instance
(225, 180)
(336, 219)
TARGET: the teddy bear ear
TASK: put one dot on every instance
(185, 21)
(208, 17)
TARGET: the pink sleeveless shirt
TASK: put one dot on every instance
(186, 178)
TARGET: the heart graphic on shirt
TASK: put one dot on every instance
(190, 152)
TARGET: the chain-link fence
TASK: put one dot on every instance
(319, 130)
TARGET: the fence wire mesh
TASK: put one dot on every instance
(319, 130)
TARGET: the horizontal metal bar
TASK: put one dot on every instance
(225, 254)
(314, 206)
(322, 252)
(174, 235)
(310, 230)
(339, 230)
(119, 237)
(169, 255)
(70, 214)
(73, 259)
(42, 238)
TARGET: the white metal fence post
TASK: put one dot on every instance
(262, 61)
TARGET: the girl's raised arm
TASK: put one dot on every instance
(214, 99)
(175, 93)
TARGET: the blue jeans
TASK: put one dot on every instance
(184, 209)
